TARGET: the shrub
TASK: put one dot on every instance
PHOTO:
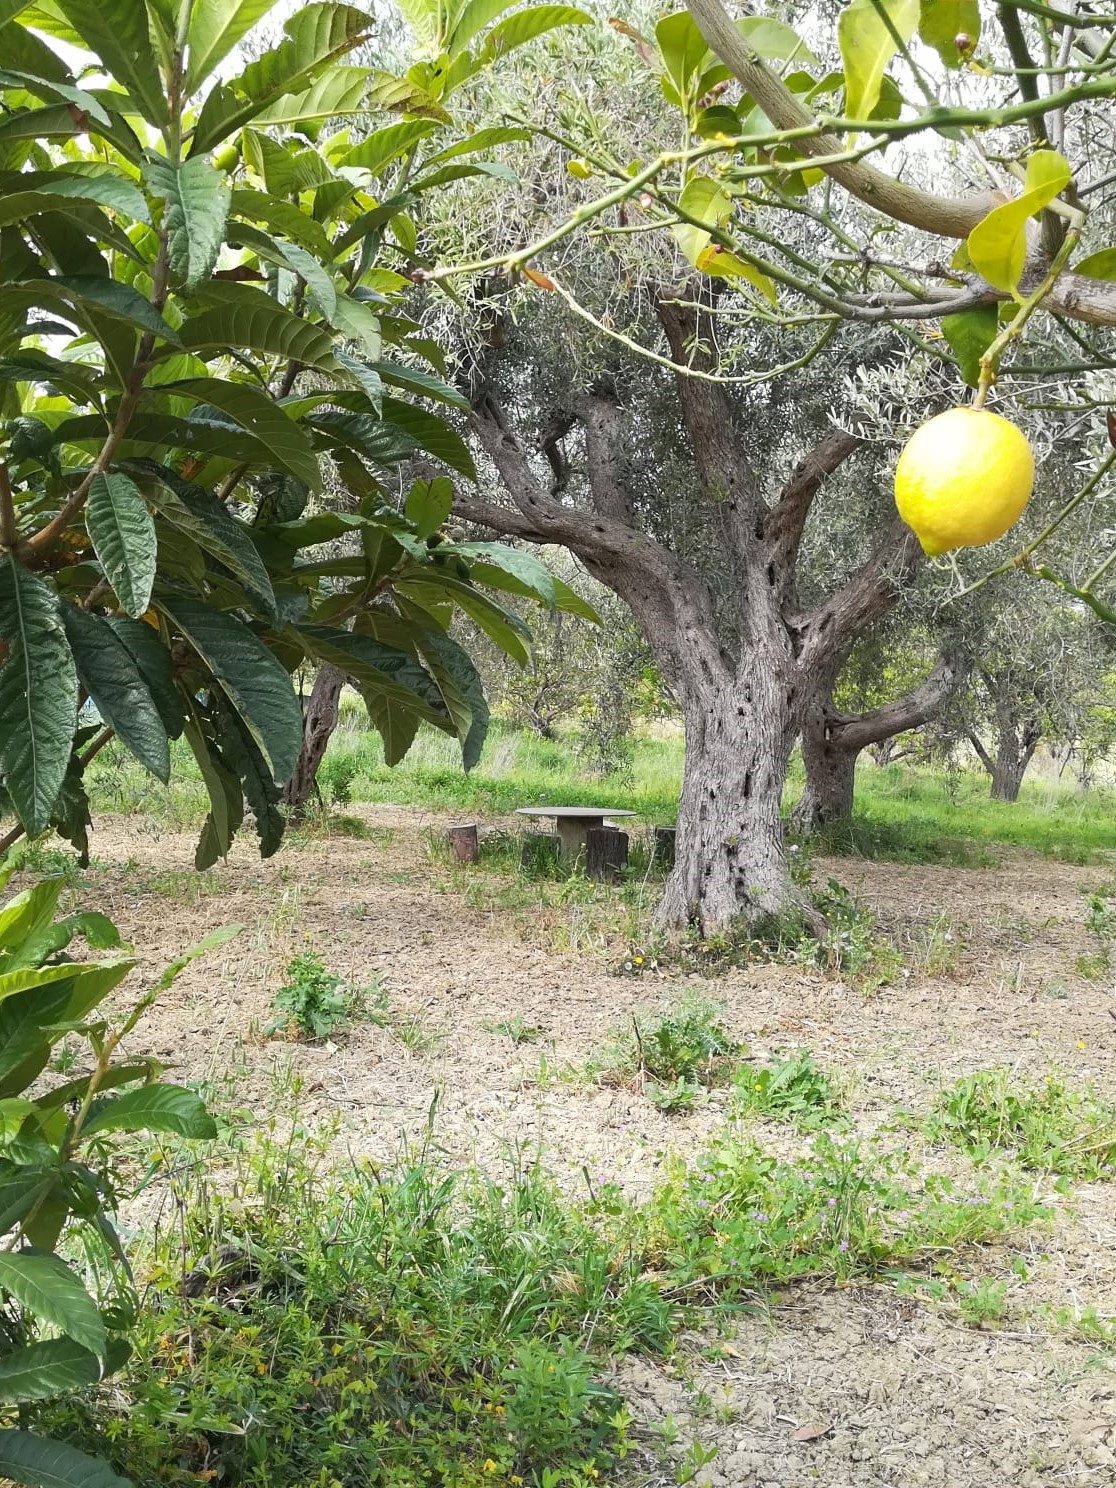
(60, 1173)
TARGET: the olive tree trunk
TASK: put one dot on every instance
(832, 742)
(1019, 725)
(742, 676)
(321, 718)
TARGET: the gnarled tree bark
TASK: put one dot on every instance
(322, 713)
(743, 680)
(832, 742)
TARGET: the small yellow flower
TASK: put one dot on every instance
(489, 1465)
(1081, 1043)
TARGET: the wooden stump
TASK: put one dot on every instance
(606, 852)
(463, 843)
(539, 852)
(664, 839)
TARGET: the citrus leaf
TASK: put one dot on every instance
(703, 198)
(123, 537)
(970, 334)
(867, 46)
(257, 686)
(46, 1287)
(37, 1463)
(998, 244)
(941, 22)
(38, 695)
(775, 40)
(197, 207)
(114, 682)
(153, 1108)
(1100, 265)
(683, 48)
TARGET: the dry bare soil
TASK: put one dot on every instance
(890, 1390)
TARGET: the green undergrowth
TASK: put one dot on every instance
(903, 813)
(310, 1323)
(1045, 1125)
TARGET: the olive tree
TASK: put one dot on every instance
(770, 192)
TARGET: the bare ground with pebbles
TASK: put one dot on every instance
(852, 1387)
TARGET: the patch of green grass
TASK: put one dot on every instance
(790, 1089)
(380, 1327)
(738, 1217)
(1046, 1126)
(517, 1029)
(673, 1055)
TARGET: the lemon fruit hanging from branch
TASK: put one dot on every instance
(963, 479)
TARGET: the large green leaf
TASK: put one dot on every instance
(941, 22)
(153, 662)
(523, 566)
(998, 244)
(970, 334)
(378, 670)
(154, 1108)
(373, 438)
(114, 682)
(108, 296)
(429, 503)
(46, 1286)
(27, 914)
(226, 800)
(53, 1367)
(206, 521)
(256, 411)
(385, 145)
(44, 191)
(317, 35)
(337, 92)
(257, 686)
(292, 256)
(461, 688)
(123, 537)
(683, 48)
(197, 200)
(526, 25)
(37, 1463)
(260, 791)
(868, 45)
(38, 694)
(215, 28)
(283, 218)
(239, 316)
(117, 31)
(433, 434)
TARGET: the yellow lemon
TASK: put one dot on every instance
(963, 479)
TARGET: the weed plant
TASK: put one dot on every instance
(674, 1056)
(1046, 1126)
(791, 1089)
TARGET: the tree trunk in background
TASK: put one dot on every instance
(322, 714)
(1010, 765)
(832, 742)
(830, 776)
